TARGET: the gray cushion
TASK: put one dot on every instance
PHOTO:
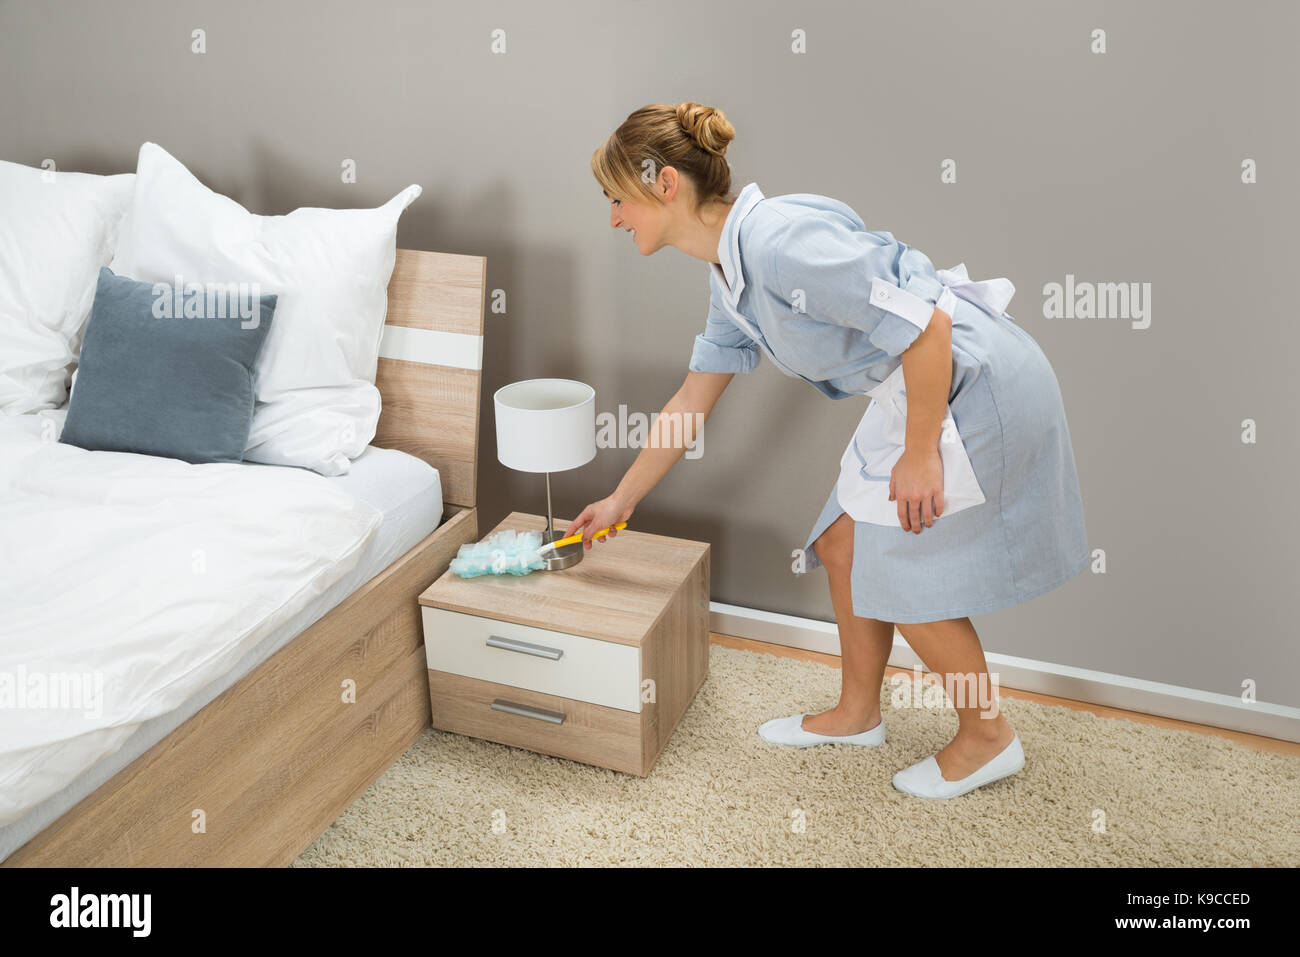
(179, 386)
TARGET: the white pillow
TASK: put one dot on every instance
(57, 230)
(316, 403)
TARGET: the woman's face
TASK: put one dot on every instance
(642, 221)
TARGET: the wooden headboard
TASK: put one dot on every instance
(430, 366)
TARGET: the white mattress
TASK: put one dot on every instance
(408, 493)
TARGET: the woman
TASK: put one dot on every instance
(957, 493)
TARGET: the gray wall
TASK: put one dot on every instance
(1115, 167)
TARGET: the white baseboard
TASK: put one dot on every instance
(1026, 674)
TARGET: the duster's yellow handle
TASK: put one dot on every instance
(577, 538)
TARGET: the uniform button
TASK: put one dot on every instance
(881, 294)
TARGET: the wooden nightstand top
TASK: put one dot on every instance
(616, 593)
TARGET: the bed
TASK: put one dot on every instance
(250, 768)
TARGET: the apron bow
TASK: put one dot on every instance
(992, 295)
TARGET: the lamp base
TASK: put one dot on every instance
(563, 557)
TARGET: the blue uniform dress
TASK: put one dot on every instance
(793, 282)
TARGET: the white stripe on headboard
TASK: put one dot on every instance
(432, 347)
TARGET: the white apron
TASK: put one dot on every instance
(877, 444)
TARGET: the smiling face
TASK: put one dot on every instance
(644, 222)
(668, 216)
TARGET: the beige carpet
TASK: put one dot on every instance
(720, 795)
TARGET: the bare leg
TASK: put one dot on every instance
(951, 649)
(865, 643)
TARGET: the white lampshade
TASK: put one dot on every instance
(545, 425)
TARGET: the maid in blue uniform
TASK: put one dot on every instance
(952, 509)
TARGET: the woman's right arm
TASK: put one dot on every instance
(674, 430)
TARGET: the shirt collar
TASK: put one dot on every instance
(729, 243)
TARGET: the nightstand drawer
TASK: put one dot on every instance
(577, 730)
(523, 656)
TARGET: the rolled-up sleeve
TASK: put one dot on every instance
(836, 273)
(723, 346)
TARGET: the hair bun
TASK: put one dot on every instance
(707, 126)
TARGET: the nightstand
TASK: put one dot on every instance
(595, 663)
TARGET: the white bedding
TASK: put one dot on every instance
(149, 575)
(406, 490)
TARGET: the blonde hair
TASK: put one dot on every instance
(690, 137)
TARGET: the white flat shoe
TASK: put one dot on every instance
(789, 731)
(924, 779)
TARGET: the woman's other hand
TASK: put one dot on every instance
(608, 511)
(916, 483)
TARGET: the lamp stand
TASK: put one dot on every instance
(550, 527)
(565, 555)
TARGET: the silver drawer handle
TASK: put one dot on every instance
(526, 711)
(524, 647)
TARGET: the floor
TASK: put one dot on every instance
(1099, 789)
(1250, 740)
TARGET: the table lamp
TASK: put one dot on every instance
(547, 425)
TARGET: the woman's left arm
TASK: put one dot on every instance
(916, 482)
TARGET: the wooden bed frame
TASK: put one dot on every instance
(276, 758)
